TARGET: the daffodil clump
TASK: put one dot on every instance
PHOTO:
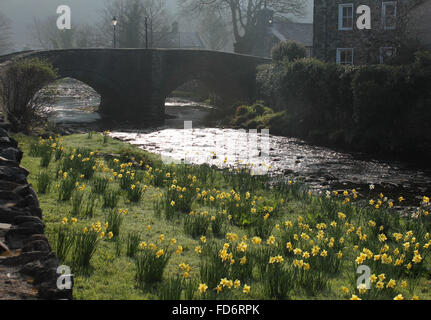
(240, 235)
(151, 261)
(77, 245)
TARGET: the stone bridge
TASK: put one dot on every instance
(134, 83)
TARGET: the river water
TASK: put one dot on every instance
(321, 168)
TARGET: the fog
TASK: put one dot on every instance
(22, 14)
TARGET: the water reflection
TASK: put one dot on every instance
(75, 102)
(320, 167)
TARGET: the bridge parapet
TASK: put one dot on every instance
(134, 83)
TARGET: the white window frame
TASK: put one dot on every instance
(382, 51)
(341, 6)
(384, 5)
(339, 50)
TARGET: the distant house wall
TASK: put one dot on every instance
(366, 46)
(329, 36)
(422, 23)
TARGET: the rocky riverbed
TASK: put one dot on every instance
(290, 158)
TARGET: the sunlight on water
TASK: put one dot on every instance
(286, 157)
(320, 166)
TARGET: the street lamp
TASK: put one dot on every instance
(114, 24)
(146, 32)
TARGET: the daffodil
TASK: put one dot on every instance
(202, 288)
(246, 289)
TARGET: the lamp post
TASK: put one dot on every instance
(114, 24)
(146, 32)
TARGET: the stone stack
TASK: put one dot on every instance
(28, 266)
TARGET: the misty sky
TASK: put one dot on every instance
(22, 13)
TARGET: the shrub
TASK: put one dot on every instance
(189, 286)
(46, 158)
(81, 161)
(278, 281)
(268, 83)
(111, 198)
(115, 220)
(84, 249)
(88, 206)
(315, 95)
(196, 225)
(134, 193)
(252, 117)
(66, 187)
(118, 246)
(288, 50)
(43, 181)
(217, 225)
(63, 241)
(19, 87)
(212, 268)
(137, 156)
(132, 244)
(150, 265)
(99, 185)
(171, 288)
(381, 94)
(77, 202)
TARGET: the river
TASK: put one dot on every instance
(320, 167)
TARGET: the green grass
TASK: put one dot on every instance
(111, 275)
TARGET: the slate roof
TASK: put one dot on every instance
(301, 32)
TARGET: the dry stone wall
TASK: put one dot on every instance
(28, 266)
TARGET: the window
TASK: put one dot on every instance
(386, 52)
(389, 15)
(345, 55)
(345, 16)
(309, 51)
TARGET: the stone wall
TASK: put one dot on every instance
(28, 266)
(421, 23)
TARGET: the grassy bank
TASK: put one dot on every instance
(132, 227)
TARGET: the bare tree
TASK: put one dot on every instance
(5, 34)
(158, 19)
(88, 36)
(131, 16)
(48, 36)
(214, 30)
(245, 15)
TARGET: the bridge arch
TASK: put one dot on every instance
(134, 83)
(66, 107)
(228, 75)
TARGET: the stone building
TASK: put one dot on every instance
(270, 30)
(421, 23)
(337, 38)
